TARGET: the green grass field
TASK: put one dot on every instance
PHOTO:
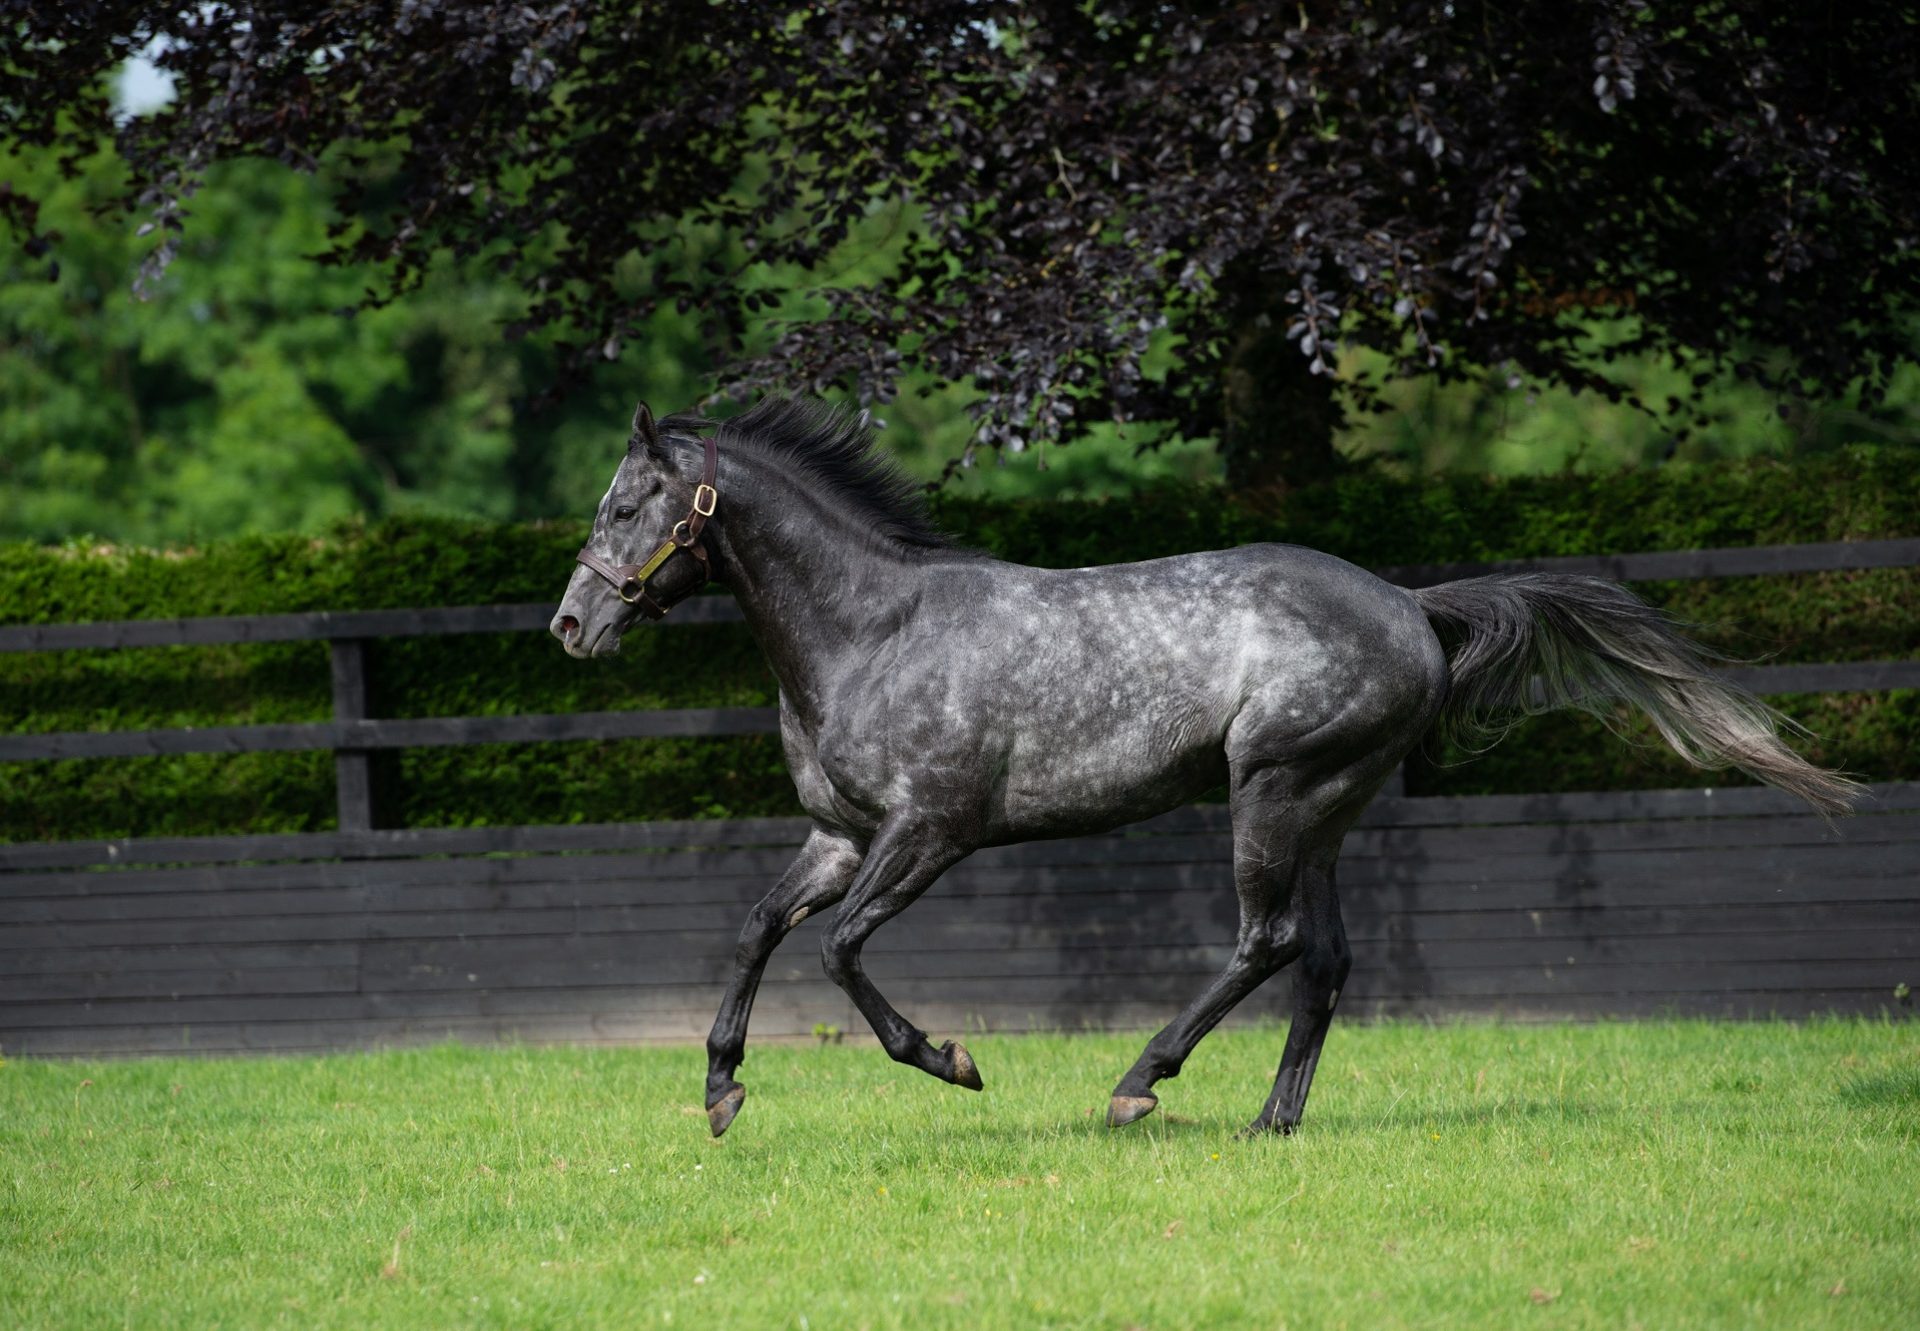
(1658, 1175)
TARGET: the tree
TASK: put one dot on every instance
(242, 402)
(1455, 186)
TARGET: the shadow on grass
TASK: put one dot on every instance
(1464, 1116)
(1162, 1126)
(1888, 1090)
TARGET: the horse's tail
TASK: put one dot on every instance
(1534, 642)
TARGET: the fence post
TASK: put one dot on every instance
(352, 768)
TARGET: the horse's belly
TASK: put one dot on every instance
(1109, 778)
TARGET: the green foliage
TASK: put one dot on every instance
(1501, 423)
(420, 561)
(405, 563)
(1667, 1174)
(238, 399)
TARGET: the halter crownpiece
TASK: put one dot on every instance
(630, 580)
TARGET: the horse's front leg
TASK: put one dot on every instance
(906, 856)
(816, 879)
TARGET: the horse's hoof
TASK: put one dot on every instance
(1263, 1127)
(721, 1112)
(960, 1068)
(1125, 1109)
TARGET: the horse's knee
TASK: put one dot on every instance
(839, 957)
(766, 924)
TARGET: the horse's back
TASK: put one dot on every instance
(1230, 620)
(1094, 697)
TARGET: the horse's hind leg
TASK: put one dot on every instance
(815, 880)
(1317, 981)
(1268, 824)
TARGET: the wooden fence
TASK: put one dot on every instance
(1731, 903)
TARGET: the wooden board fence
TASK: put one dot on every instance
(1736, 903)
(1727, 904)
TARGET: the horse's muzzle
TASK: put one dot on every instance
(582, 643)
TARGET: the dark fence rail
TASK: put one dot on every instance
(318, 625)
(1685, 565)
(307, 626)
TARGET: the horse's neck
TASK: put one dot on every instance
(815, 589)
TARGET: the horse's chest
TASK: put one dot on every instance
(867, 755)
(858, 764)
(839, 777)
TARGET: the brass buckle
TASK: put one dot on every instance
(711, 495)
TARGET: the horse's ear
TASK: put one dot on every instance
(645, 432)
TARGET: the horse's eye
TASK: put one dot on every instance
(623, 514)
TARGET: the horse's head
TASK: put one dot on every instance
(645, 553)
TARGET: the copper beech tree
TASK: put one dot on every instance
(1459, 186)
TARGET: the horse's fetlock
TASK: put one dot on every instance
(909, 1045)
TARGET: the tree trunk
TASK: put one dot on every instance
(1278, 417)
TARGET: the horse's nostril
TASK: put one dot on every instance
(569, 625)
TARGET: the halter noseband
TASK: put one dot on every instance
(630, 580)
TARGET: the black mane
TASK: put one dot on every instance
(835, 449)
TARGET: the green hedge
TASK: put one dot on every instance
(1857, 494)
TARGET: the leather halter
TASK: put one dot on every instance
(630, 580)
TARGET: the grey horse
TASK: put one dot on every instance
(934, 700)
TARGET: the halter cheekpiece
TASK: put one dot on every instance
(632, 581)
